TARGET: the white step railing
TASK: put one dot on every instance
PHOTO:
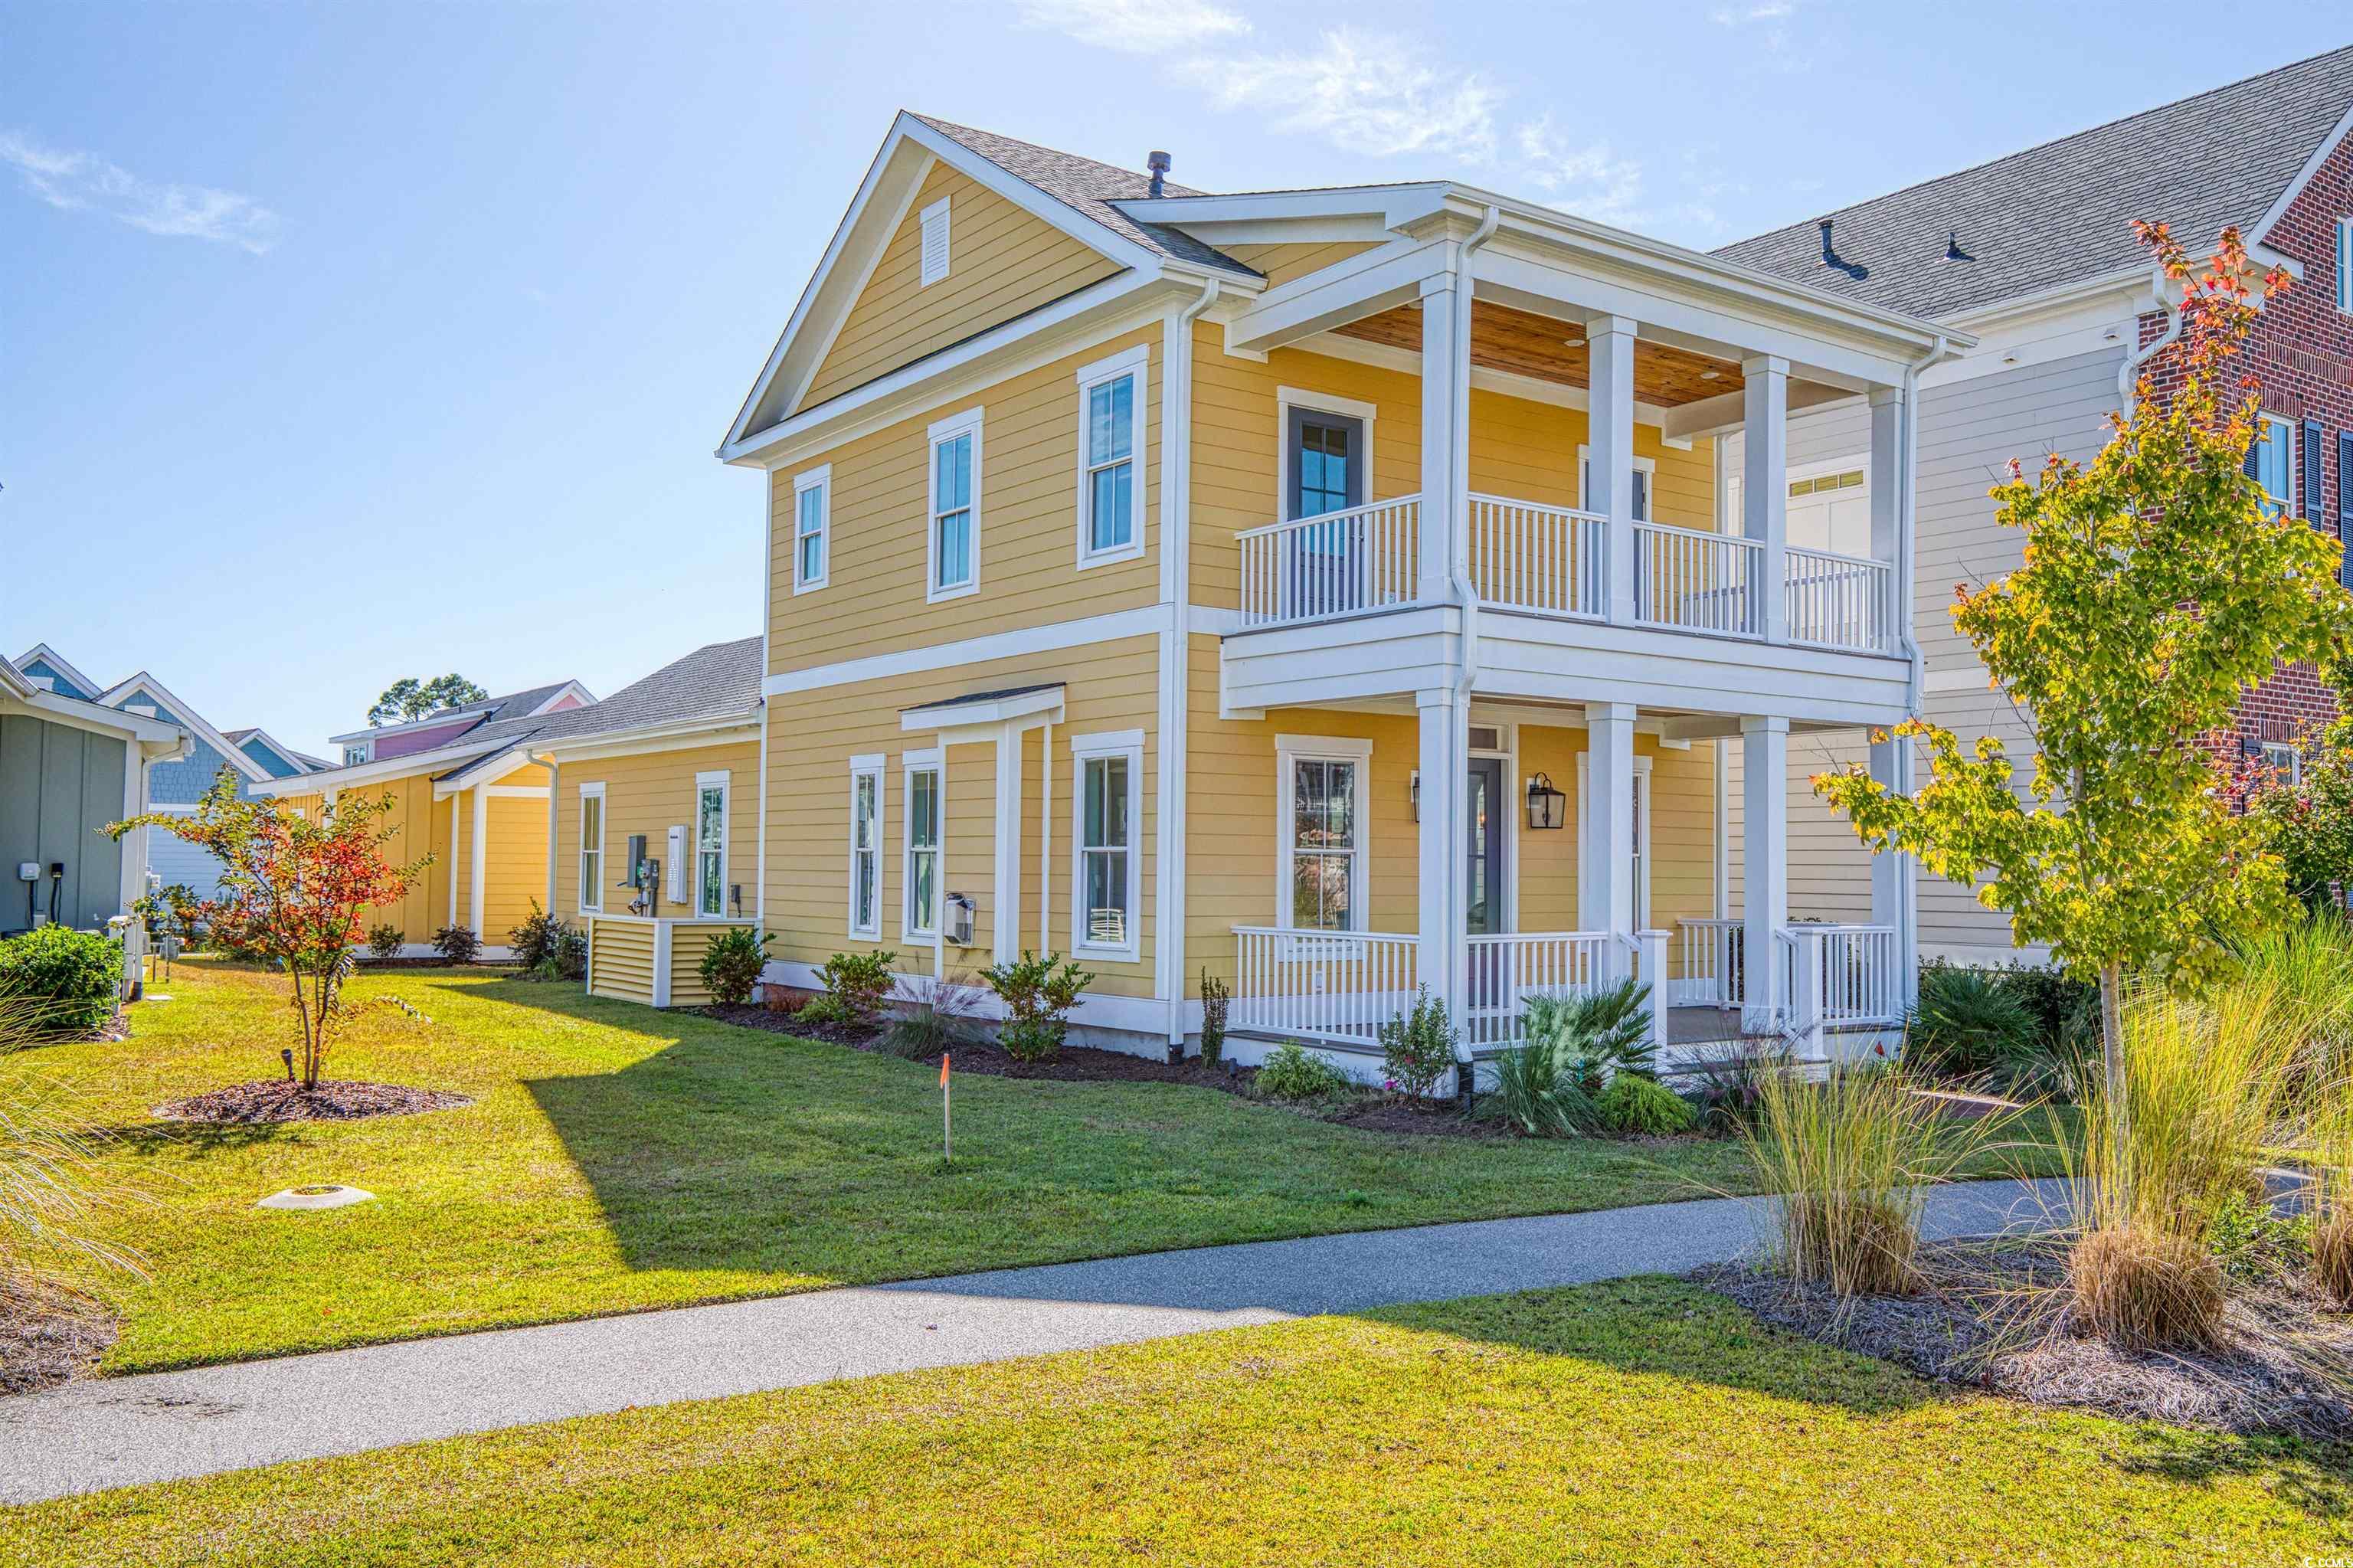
(1335, 987)
(1507, 969)
(1341, 562)
(1838, 601)
(1544, 559)
(1707, 963)
(1693, 581)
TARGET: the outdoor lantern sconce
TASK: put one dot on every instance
(1547, 807)
(1413, 794)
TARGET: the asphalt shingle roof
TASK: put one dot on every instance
(718, 678)
(1089, 187)
(2062, 212)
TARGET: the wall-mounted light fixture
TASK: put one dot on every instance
(1547, 807)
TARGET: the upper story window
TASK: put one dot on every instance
(356, 755)
(710, 844)
(591, 847)
(934, 222)
(1110, 437)
(2271, 462)
(812, 509)
(953, 568)
(2345, 265)
(1645, 471)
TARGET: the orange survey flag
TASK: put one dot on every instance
(943, 1069)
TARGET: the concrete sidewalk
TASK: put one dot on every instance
(113, 1432)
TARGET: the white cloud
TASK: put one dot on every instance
(1136, 27)
(1769, 23)
(1365, 93)
(84, 181)
(1591, 181)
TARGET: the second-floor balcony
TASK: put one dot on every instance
(1547, 561)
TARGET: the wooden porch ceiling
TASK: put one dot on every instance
(1525, 344)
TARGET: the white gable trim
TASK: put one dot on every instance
(2320, 154)
(120, 695)
(56, 660)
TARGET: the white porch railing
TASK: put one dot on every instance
(1507, 969)
(1335, 986)
(1544, 558)
(1695, 582)
(1342, 563)
(1840, 601)
(1855, 973)
(1707, 963)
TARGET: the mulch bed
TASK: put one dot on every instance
(48, 1334)
(275, 1099)
(1983, 1323)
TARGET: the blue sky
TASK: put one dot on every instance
(362, 341)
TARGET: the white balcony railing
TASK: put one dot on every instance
(1507, 969)
(1334, 987)
(1840, 601)
(1544, 559)
(1694, 581)
(1341, 562)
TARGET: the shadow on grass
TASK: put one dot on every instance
(2315, 1477)
(195, 1140)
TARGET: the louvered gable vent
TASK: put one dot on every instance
(936, 241)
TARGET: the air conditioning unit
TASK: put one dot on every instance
(959, 924)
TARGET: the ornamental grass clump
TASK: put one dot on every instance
(53, 1186)
(2330, 1145)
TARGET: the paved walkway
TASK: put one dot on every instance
(113, 1432)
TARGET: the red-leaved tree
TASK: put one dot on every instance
(294, 891)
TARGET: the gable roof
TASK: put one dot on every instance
(253, 734)
(718, 680)
(489, 710)
(119, 698)
(2062, 213)
(84, 687)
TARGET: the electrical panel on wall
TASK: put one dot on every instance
(674, 874)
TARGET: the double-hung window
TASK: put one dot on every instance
(592, 848)
(919, 913)
(2283, 761)
(1107, 807)
(1111, 447)
(2345, 265)
(2271, 462)
(866, 846)
(1323, 805)
(812, 534)
(711, 845)
(954, 565)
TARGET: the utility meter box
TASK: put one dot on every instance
(959, 925)
(675, 880)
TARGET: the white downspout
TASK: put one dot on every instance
(1176, 650)
(1458, 434)
(2128, 373)
(1907, 937)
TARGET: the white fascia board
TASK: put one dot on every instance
(569, 688)
(665, 737)
(1332, 296)
(14, 683)
(2320, 154)
(945, 716)
(76, 713)
(194, 721)
(1148, 621)
(1392, 205)
(331, 778)
(2139, 288)
(62, 664)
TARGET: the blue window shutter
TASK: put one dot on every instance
(2316, 449)
(2345, 499)
(2253, 465)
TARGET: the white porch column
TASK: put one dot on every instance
(1896, 878)
(480, 864)
(1763, 864)
(1610, 445)
(1005, 927)
(1445, 388)
(1765, 484)
(1606, 860)
(1444, 836)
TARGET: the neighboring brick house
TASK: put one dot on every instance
(2034, 255)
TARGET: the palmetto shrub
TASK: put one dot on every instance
(1968, 1023)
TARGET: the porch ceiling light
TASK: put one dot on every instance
(1547, 807)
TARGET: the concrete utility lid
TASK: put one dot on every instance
(321, 1197)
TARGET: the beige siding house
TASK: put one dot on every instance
(1327, 592)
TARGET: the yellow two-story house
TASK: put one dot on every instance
(1328, 592)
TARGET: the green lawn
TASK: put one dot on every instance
(1637, 1423)
(617, 1158)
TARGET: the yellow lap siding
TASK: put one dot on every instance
(812, 737)
(649, 793)
(874, 600)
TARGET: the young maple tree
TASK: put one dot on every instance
(294, 891)
(2158, 585)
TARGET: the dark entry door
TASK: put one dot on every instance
(1327, 475)
(1486, 909)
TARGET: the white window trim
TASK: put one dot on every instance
(820, 479)
(2282, 757)
(1641, 465)
(943, 431)
(590, 900)
(1085, 748)
(868, 764)
(2345, 266)
(2283, 433)
(1286, 399)
(910, 764)
(718, 779)
(935, 213)
(1135, 362)
(1294, 748)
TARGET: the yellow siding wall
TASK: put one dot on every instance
(813, 734)
(649, 794)
(423, 827)
(516, 876)
(1002, 261)
(621, 959)
(1028, 527)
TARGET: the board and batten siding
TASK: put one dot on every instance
(60, 785)
(812, 735)
(1002, 261)
(1969, 430)
(650, 793)
(874, 600)
(422, 829)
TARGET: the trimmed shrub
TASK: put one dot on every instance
(1417, 1046)
(536, 941)
(1216, 998)
(458, 944)
(1634, 1104)
(1037, 994)
(386, 940)
(1968, 1024)
(858, 981)
(1291, 1071)
(732, 963)
(67, 980)
(828, 1010)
